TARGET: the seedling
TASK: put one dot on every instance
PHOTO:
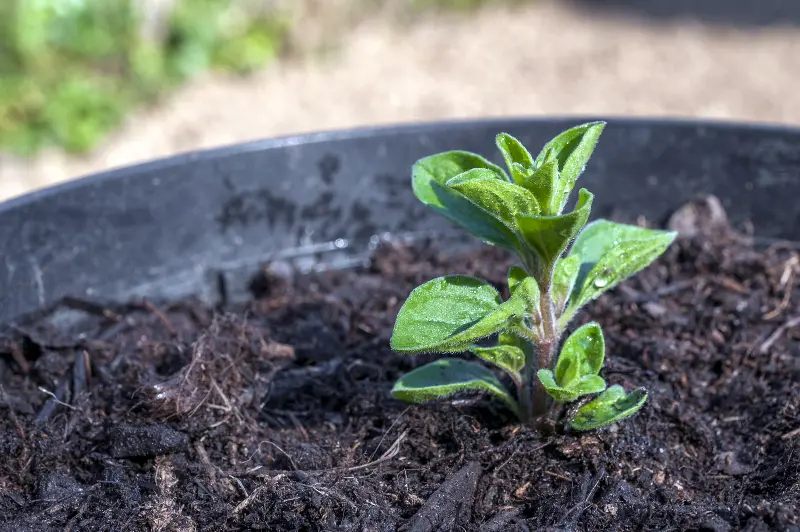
(523, 213)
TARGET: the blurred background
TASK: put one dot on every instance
(89, 85)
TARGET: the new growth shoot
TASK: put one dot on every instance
(521, 210)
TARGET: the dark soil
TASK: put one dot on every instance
(276, 415)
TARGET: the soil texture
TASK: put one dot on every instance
(276, 415)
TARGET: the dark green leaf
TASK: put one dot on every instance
(586, 386)
(507, 357)
(610, 406)
(609, 253)
(564, 277)
(517, 157)
(500, 199)
(549, 236)
(447, 377)
(572, 149)
(429, 178)
(448, 314)
(581, 356)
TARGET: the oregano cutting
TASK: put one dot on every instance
(521, 209)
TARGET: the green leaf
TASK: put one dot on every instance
(448, 314)
(578, 366)
(572, 149)
(516, 275)
(507, 357)
(582, 355)
(609, 253)
(610, 406)
(510, 339)
(500, 199)
(549, 236)
(429, 178)
(564, 277)
(586, 386)
(446, 377)
(543, 182)
(517, 157)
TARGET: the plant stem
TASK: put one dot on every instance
(533, 397)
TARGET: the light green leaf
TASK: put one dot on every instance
(522, 286)
(609, 253)
(543, 182)
(572, 149)
(564, 277)
(448, 314)
(581, 356)
(510, 339)
(549, 236)
(446, 377)
(610, 406)
(516, 275)
(500, 199)
(507, 357)
(586, 386)
(517, 157)
(429, 178)
(553, 389)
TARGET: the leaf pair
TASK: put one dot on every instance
(577, 375)
(551, 176)
(523, 214)
(448, 315)
(578, 367)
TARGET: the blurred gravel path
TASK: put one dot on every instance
(538, 60)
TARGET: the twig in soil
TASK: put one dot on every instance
(19, 358)
(249, 500)
(284, 453)
(390, 453)
(56, 399)
(791, 434)
(587, 496)
(51, 404)
(89, 307)
(146, 304)
(557, 475)
(450, 504)
(786, 283)
(768, 343)
(388, 431)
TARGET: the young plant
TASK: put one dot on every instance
(522, 211)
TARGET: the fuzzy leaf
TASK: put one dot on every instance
(581, 356)
(516, 275)
(586, 386)
(507, 357)
(609, 253)
(564, 277)
(448, 314)
(510, 339)
(523, 287)
(549, 236)
(446, 377)
(572, 149)
(517, 157)
(610, 406)
(543, 182)
(500, 199)
(429, 178)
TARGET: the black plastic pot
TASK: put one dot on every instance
(197, 224)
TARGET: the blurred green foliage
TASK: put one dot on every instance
(70, 70)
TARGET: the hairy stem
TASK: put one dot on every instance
(533, 397)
